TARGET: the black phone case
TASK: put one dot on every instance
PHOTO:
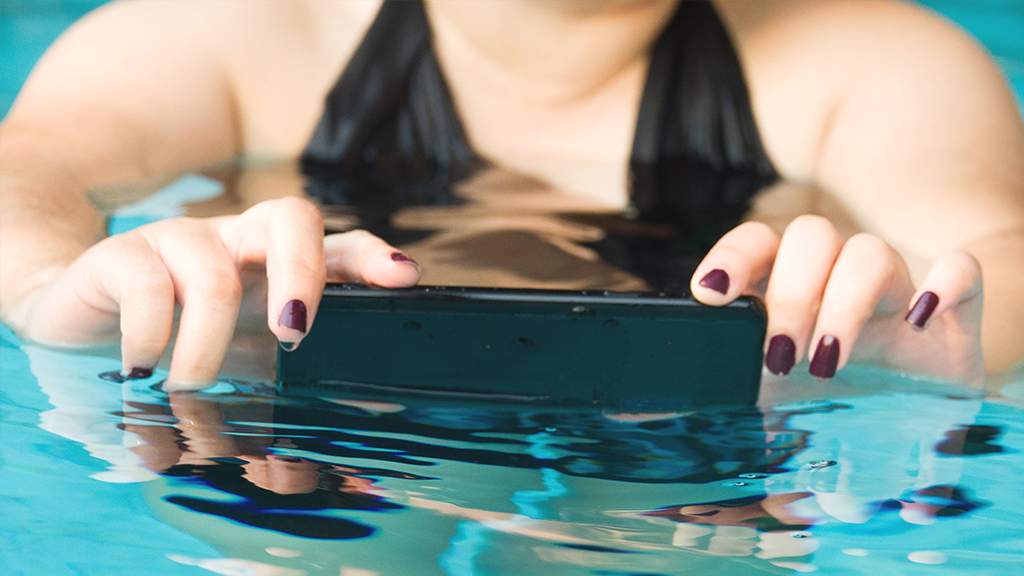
(624, 351)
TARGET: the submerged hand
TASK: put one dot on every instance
(835, 301)
(133, 281)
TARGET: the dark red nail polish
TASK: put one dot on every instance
(139, 373)
(293, 316)
(716, 280)
(923, 309)
(826, 358)
(402, 257)
(781, 355)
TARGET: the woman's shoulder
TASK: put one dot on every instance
(273, 59)
(805, 58)
(858, 33)
(283, 59)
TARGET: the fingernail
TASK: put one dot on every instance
(402, 257)
(716, 280)
(293, 316)
(781, 355)
(139, 373)
(923, 309)
(826, 358)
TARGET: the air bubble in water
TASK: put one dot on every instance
(821, 463)
(753, 476)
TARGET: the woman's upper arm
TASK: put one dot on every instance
(926, 145)
(131, 90)
(891, 109)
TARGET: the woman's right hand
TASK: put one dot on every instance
(132, 282)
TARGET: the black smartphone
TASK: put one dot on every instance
(623, 351)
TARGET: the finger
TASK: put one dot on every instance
(739, 260)
(868, 278)
(123, 276)
(954, 281)
(145, 292)
(287, 236)
(806, 255)
(296, 272)
(361, 257)
(207, 286)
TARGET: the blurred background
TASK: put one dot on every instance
(27, 27)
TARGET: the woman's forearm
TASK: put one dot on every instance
(46, 221)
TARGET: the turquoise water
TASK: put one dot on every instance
(100, 477)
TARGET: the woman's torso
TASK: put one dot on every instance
(577, 136)
(798, 57)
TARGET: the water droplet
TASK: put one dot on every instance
(288, 346)
(611, 322)
(821, 463)
(739, 483)
(412, 325)
(582, 310)
(551, 429)
(753, 476)
(524, 342)
(800, 535)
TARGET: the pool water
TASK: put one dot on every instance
(101, 477)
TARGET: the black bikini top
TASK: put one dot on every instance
(390, 135)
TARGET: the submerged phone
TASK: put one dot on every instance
(623, 351)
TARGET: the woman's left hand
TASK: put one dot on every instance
(834, 301)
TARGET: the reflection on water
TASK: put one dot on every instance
(498, 228)
(243, 480)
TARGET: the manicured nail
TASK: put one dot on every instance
(716, 280)
(139, 374)
(826, 358)
(293, 316)
(922, 310)
(781, 355)
(402, 257)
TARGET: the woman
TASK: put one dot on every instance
(907, 123)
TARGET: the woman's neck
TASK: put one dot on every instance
(551, 89)
(559, 51)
